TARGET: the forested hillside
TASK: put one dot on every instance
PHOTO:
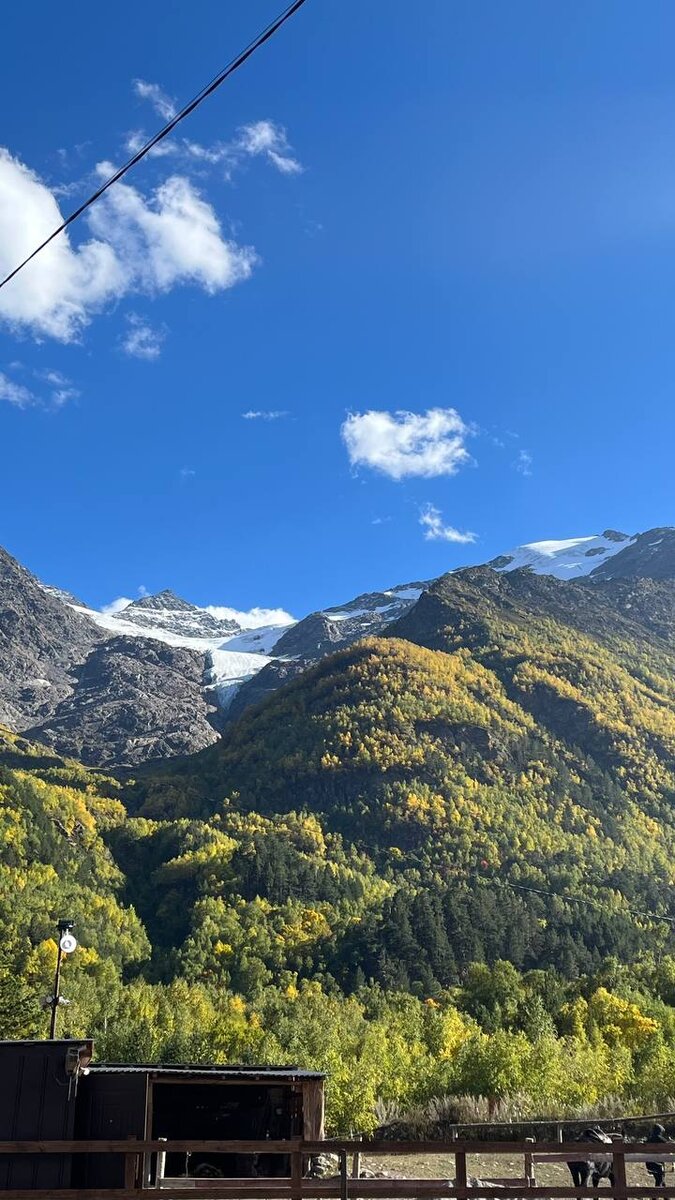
(528, 745)
(419, 864)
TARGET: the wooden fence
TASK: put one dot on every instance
(143, 1170)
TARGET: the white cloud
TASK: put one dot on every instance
(523, 463)
(122, 602)
(401, 444)
(259, 139)
(60, 391)
(270, 140)
(141, 339)
(55, 292)
(182, 149)
(174, 238)
(163, 105)
(141, 244)
(271, 414)
(116, 606)
(431, 520)
(254, 618)
(187, 473)
(62, 395)
(54, 377)
(167, 148)
(15, 393)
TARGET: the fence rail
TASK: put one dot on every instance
(144, 1162)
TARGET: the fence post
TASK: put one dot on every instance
(161, 1165)
(529, 1165)
(130, 1166)
(356, 1164)
(296, 1174)
(344, 1176)
(460, 1174)
(559, 1132)
(619, 1171)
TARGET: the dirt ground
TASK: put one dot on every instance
(490, 1166)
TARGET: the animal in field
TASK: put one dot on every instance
(590, 1169)
(657, 1170)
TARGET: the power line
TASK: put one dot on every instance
(634, 912)
(231, 67)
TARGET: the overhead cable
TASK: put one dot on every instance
(220, 78)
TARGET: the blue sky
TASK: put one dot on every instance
(459, 212)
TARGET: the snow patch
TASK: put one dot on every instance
(227, 670)
(567, 559)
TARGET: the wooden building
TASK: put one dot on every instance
(53, 1090)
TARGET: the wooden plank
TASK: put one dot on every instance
(619, 1168)
(318, 1189)
(365, 1189)
(528, 1164)
(344, 1176)
(649, 1156)
(147, 1132)
(667, 1117)
(506, 1181)
(460, 1174)
(296, 1175)
(130, 1167)
(179, 1145)
(313, 1110)
(553, 1151)
(567, 1150)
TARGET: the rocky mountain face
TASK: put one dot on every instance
(134, 700)
(106, 698)
(156, 679)
(321, 633)
(168, 613)
(649, 555)
(162, 676)
(42, 643)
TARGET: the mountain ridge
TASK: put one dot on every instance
(498, 736)
(68, 669)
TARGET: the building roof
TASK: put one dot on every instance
(43, 1041)
(206, 1071)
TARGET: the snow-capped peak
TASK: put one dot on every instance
(568, 559)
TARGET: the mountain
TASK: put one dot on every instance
(43, 642)
(649, 555)
(78, 687)
(504, 758)
(162, 676)
(133, 700)
(609, 555)
(564, 559)
(156, 678)
(166, 612)
(453, 842)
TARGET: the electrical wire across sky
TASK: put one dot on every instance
(207, 90)
(574, 899)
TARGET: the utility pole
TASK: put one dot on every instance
(67, 944)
